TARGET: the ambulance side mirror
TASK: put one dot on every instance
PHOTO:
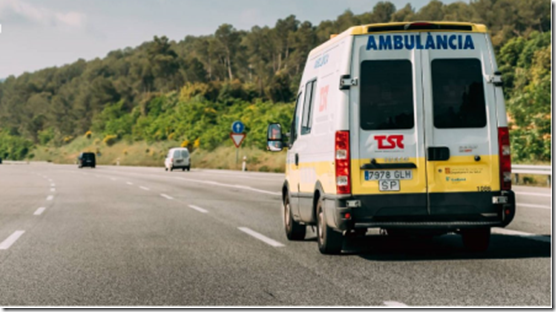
(274, 142)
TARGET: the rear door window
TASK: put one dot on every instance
(176, 154)
(458, 93)
(184, 154)
(386, 95)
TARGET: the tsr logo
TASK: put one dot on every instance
(391, 141)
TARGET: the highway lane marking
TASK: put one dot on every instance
(52, 184)
(113, 179)
(394, 304)
(10, 240)
(53, 190)
(129, 183)
(261, 237)
(247, 177)
(237, 173)
(144, 188)
(50, 197)
(166, 196)
(237, 186)
(533, 194)
(39, 211)
(534, 206)
(199, 209)
(537, 237)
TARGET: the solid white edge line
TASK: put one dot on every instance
(166, 196)
(50, 197)
(533, 194)
(533, 206)
(129, 183)
(394, 304)
(537, 237)
(39, 211)
(10, 240)
(144, 188)
(198, 209)
(236, 186)
(261, 237)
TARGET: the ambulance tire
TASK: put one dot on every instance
(294, 230)
(330, 242)
(476, 240)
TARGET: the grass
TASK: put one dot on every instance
(153, 154)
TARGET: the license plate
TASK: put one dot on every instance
(374, 175)
(388, 185)
(179, 160)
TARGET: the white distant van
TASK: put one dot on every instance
(402, 127)
(178, 158)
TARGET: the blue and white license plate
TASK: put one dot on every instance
(375, 175)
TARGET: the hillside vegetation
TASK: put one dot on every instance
(165, 93)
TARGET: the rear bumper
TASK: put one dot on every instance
(446, 211)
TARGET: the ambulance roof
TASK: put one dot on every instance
(417, 26)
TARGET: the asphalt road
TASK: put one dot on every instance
(141, 236)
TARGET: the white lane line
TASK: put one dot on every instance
(261, 237)
(236, 186)
(52, 185)
(144, 188)
(533, 206)
(533, 194)
(394, 304)
(52, 189)
(129, 183)
(39, 211)
(113, 179)
(10, 240)
(166, 196)
(199, 209)
(537, 237)
(50, 197)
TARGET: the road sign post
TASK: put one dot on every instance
(237, 136)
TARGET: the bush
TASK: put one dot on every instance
(67, 139)
(45, 136)
(88, 134)
(110, 140)
(185, 143)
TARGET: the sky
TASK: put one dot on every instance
(38, 34)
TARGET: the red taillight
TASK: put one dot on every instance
(342, 161)
(171, 159)
(505, 158)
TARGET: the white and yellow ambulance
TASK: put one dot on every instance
(402, 127)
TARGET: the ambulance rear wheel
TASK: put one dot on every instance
(330, 242)
(476, 240)
(294, 230)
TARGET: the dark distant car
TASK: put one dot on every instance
(86, 160)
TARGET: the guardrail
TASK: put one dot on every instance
(532, 169)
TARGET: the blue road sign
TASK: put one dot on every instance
(238, 127)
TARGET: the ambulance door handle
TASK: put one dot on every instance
(296, 159)
(438, 153)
